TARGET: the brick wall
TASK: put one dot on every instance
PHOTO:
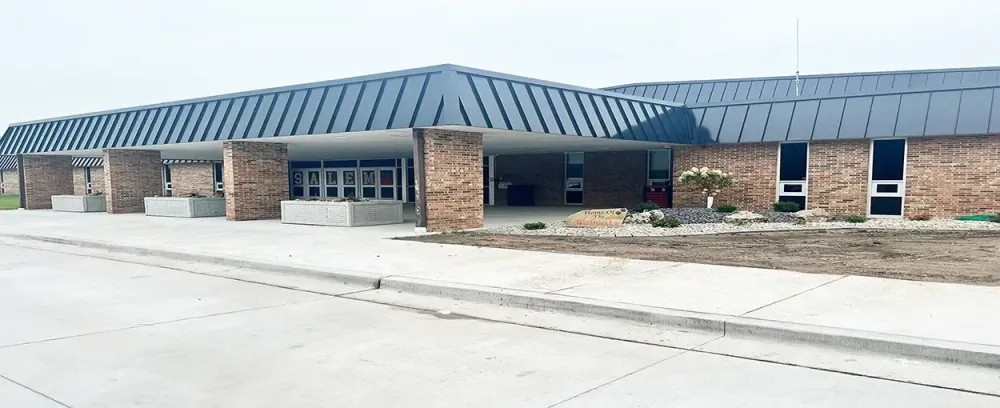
(129, 177)
(255, 176)
(544, 171)
(949, 176)
(80, 180)
(613, 179)
(97, 179)
(838, 176)
(196, 178)
(453, 169)
(44, 177)
(11, 182)
(754, 167)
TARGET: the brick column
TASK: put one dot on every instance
(838, 176)
(129, 177)
(255, 176)
(449, 167)
(44, 177)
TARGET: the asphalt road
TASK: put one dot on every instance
(87, 332)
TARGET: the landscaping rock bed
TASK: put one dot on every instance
(710, 216)
(707, 227)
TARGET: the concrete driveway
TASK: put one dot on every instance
(87, 332)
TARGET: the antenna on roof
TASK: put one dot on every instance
(798, 86)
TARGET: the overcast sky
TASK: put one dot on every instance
(64, 57)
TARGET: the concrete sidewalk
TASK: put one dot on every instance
(934, 311)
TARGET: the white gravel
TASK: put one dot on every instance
(645, 230)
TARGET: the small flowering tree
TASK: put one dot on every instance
(710, 181)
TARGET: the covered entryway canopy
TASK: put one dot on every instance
(446, 116)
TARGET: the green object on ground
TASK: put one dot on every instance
(980, 217)
(9, 202)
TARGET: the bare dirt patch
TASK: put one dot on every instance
(941, 256)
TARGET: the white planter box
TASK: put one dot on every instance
(74, 203)
(343, 213)
(185, 207)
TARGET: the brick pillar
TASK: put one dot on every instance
(44, 177)
(838, 176)
(449, 176)
(129, 177)
(255, 176)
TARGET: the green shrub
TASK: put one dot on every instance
(534, 226)
(854, 218)
(666, 222)
(920, 217)
(726, 209)
(994, 218)
(646, 206)
(786, 206)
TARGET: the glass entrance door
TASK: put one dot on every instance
(306, 184)
(378, 183)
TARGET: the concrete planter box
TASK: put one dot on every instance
(75, 203)
(342, 213)
(185, 207)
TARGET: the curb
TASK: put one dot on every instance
(342, 276)
(730, 326)
(970, 354)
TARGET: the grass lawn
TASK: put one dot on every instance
(8, 202)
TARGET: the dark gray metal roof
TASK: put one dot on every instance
(8, 162)
(959, 111)
(423, 97)
(88, 161)
(99, 161)
(695, 93)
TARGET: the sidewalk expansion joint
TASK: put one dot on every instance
(797, 294)
(43, 395)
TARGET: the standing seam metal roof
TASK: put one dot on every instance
(694, 93)
(949, 112)
(8, 162)
(424, 97)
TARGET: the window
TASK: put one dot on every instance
(168, 191)
(574, 178)
(86, 181)
(793, 173)
(218, 176)
(659, 166)
(887, 183)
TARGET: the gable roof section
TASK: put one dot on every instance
(422, 97)
(695, 93)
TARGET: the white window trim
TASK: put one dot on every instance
(404, 179)
(87, 185)
(167, 186)
(902, 183)
(779, 184)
